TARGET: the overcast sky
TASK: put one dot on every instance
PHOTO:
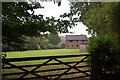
(51, 9)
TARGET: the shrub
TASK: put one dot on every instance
(50, 46)
(104, 50)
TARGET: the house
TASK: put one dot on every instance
(74, 41)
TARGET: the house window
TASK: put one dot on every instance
(83, 40)
(77, 45)
(71, 41)
(72, 45)
(68, 45)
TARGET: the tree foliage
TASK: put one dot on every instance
(54, 39)
(34, 43)
(50, 42)
(100, 17)
(19, 22)
(103, 17)
(106, 56)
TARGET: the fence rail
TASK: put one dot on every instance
(67, 67)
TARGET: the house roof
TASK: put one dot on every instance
(76, 37)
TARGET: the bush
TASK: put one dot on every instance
(104, 50)
(51, 46)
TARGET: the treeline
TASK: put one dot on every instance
(44, 42)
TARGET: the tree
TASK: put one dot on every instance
(44, 42)
(32, 43)
(100, 17)
(54, 39)
(103, 17)
(36, 43)
(19, 22)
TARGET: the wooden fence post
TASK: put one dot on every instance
(93, 67)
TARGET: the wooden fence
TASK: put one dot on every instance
(49, 68)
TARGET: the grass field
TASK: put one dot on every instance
(41, 53)
(38, 53)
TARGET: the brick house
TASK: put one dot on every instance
(74, 41)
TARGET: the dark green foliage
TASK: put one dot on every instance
(15, 15)
(32, 44)
(42, 42)
(100, 17)
(54, 39)
(19, 22)
(106, 56)
(36, 43)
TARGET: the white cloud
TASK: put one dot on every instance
(51, 9)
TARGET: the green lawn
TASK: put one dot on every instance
(39, 53)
